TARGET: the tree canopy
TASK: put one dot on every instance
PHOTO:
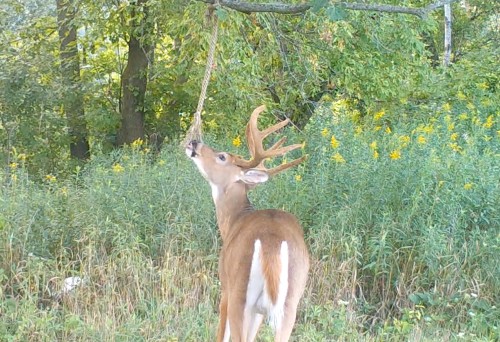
(99, 74)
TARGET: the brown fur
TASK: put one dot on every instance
(271, 267)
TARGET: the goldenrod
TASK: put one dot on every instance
(237, 141)
(396, 154)
(334, 142)
(379, 115)
(337, 157)
(117, 168)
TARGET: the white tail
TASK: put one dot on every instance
(264, 261)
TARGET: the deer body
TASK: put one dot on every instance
(264, 260)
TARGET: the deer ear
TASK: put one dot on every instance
(254, 176)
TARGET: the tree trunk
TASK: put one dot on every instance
(135, 78)
(70, 72)
(447, 35)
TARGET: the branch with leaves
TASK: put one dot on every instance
(282, 8)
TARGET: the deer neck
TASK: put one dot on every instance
(230, 204)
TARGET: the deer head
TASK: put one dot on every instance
(260, 247)
(225, 168)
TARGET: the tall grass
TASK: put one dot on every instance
(404, 241)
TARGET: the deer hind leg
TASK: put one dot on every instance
(294, 294)
(254, 325)
(236, 318)
(223, 333)
(283, 333)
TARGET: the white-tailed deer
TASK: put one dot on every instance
(264, 260)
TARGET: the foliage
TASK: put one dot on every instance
(404, 245)
(399, 196)
(289, 62)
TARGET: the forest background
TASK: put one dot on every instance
(399, 196)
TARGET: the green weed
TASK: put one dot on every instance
(402, 220)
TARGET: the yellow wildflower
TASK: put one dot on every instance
(377, 128)
(373, 145)
(451, 126)
(337, 157)
(468, 186)
(137, 143)
(339, 105)
(463, 117)
(298, 178)
(50, 178)
(334, 142)
(375, 154)
(379, 115)
(428, 129)
(421, 140)
(396, 154)
(447, 107)
(461, 96)
(117, 168)
(21, 157)
(454, 136)
(405, 140)
(212, 124)
(455, 147)
(482, 85)
(237, 141)
(388, 130)
(324, 132)
(13, 165)
(358, 130)
(489, 122)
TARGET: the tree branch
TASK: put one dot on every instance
(251, 7)
(382, 8)
(282, 8)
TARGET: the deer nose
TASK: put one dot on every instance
(193, 144)
(191, 148)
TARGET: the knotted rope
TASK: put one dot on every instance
(194, 132)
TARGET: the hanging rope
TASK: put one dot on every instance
(194, 132)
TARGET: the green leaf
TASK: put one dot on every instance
(336, 13)
(316, 5)
(222, 14)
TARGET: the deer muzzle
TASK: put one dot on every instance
(191, 148)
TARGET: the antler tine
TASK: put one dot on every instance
(255, 138)
(273, 152)
(254, 141)
(274, 128)
(285, 166)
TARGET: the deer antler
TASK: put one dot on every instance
(255, 146)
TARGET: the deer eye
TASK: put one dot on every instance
(221, 157)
